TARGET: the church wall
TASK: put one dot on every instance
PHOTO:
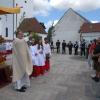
(68, 27)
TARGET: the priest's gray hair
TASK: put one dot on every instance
(17, 32)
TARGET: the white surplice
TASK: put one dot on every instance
(38, 57)
(47, 49)
(32, 51)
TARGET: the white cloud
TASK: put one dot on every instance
(75, 4)
(55, 22)
(41, 7)
(35, 7)
(94, 21)
(50, 23)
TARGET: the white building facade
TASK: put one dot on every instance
(90, 36)
(68, 27)
(90, 31)
(6, 21)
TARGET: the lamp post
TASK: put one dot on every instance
(13, 18)
(6, 27)
(16, 21)
(16, 16)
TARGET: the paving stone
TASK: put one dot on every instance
(68, 79)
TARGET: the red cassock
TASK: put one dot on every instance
(36, 71)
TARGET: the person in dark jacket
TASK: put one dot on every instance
(52, 46)
(58, 46)
(83, 45)
(76, 48)
(63, 47)
(70, 46)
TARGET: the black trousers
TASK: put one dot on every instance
(63, 50)
(76, 51)
(58, 49)
(82, 51)
(70, 51)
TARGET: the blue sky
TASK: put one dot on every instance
(93, 15)
(48, 11)
(55, 14)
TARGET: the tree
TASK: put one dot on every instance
(35, 36)
(50, 33)
(41, 23)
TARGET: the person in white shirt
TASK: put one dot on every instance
(47, 51)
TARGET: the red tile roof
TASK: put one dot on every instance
(31, 25)
(90, 27)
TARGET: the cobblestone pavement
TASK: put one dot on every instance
(68, 79)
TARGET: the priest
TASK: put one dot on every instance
(47, 51)
(22, 63)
